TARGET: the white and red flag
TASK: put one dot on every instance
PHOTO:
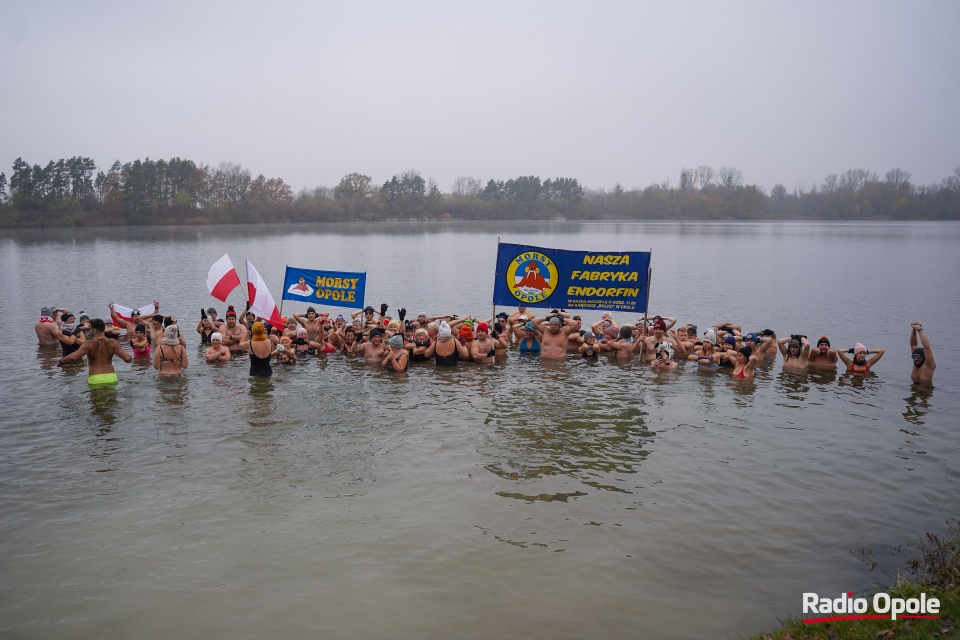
(222, 278)
(261, 302)
(126, 313)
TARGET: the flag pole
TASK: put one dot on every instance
(646, 308)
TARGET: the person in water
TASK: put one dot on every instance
(589, 349)
(555, 330)
(664, 359)
(923, 362)
(795, 350)
(261, 350)
(397, 358)
(483, 349)
(170, 356)
(446, 349)
(823, 357)
(232, 331)
(746, 362)
(216, 352)
(140, 342)
(529, 339)
(99, 351)
(859, 363)
(311, 322)
(70, 334)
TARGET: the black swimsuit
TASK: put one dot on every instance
(259, 367)
(421, 357)
(447, 361)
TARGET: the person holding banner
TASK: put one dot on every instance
(556, 330)
(483, 349)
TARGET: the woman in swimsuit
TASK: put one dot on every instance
(170, 357)
(261, 349)
(707, 356)
(418, 348)
(398, 358)
(446, 349)
(859, 364)
(205, 328)
(139, 342)
(530, 342)
(746, 362)
(589, 347)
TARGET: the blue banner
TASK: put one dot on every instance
(558, 279)
(334, 288)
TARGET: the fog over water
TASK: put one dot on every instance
(618, 92)
(529, 498)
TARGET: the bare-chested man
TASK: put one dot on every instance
(375, 350)
(658, 334)
(47, 328)
(575, 339)
(823, 357)
(624, 346)
(484, 347)
(556, 333)
(99, 351)
(762, 346)
(311, 322)
(923, 362)
(233, 332)
(684, 341)
(796, 351)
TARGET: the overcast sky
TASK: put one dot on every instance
(605, 92)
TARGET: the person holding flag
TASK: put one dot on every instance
(127, 318)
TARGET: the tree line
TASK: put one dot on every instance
(177, 191)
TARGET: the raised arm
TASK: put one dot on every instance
(878, 353)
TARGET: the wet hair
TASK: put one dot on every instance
(626, 331)
(98, 325)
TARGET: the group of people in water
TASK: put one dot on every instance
(446, 340)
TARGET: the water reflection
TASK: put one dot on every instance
(918, 404)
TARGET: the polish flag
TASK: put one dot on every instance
(261, 302)
(126, 313)
(222, 278)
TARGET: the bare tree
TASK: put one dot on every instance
(703, 176)
(730, 177)
(467, 188)
(856, 179)
(831, 183)
(899, 181)
(687, 184)
(953, 182)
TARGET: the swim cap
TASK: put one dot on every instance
(859, 348)
(216, 336)
(529, 327)
(918, 352)
(397, 341)
(259, 331)
(170, 335)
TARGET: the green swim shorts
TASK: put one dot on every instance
(100, 379)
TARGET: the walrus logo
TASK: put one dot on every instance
(532, 277)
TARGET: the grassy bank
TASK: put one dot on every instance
(935, 571)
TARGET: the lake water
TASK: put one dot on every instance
(536, 499)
